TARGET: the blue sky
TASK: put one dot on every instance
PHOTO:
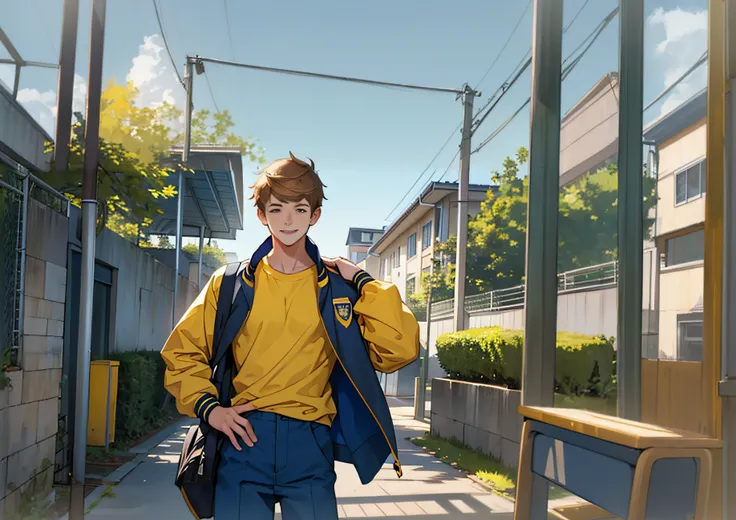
(369, 144)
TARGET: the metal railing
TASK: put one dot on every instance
(585, 278)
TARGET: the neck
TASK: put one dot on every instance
(290, 259)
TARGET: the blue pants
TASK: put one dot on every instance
(292, 464)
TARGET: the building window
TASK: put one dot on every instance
(396, 258)
(426, 235)
(354, 257)
(690, 183)
(690, 337)
(411, 247)
(382, 270)
(366, 237)
(411, 286)
(685, 248)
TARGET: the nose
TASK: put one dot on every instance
(287, 219)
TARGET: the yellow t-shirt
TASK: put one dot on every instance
(283, 355)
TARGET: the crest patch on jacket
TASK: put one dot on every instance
(343, 311)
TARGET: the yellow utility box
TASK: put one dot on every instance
(103, 402)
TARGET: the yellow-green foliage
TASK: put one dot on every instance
(583, 364)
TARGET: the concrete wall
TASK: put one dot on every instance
(142, 293)
(483, 417)
(401, 382)
(29, 409)
(20, 135)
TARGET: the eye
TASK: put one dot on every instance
(302, 210)
(274, 210)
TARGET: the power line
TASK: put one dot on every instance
(425, 170)
(229, 33)
(452, 161)
(212, 95)
(318, 75)
(508, 40)
(703, 59)
(166, 44)
(666, 91)
(565, 73)
(509, 82)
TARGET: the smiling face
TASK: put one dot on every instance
(288, 222)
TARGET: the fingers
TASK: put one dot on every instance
(227, 431)
(248, 427)
(241, 432)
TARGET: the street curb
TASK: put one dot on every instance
(123, 471)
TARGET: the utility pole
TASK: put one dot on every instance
(424, 368)
(65, 86)
(462, 208)
(180, 192)
(89, 228)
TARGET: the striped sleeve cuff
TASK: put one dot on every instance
(204, 406)
(360, 279)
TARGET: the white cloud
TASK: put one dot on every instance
(153, 75)
(42, 105)
(151, 72)
(684, 41)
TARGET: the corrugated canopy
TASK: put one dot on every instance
(213, 194)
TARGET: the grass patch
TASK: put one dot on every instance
(487, 469)
(604, 405)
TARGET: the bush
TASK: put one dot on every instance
(140, 395)
(584, 364)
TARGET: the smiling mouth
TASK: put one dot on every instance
(288, 231)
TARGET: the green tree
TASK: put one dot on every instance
(135, 164)
(587, 229)
(212, 254)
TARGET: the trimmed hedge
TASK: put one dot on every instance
(140, 395)
(584, 364)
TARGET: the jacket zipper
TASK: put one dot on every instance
(398, 469)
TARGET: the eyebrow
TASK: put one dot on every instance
(302, 204)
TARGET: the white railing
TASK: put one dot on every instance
(586, 278)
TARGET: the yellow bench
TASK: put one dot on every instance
(631, 470)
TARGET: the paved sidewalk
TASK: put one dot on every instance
(429, 488)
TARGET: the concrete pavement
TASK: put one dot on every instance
(429, 488)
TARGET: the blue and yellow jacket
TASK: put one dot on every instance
(362, 430)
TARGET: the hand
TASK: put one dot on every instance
(229, 422)
(346, 268)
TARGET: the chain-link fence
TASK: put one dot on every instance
(11, 265)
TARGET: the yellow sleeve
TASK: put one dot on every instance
(187, 353)
(387, 324)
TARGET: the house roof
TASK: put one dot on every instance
(432, 194)
(677, 120)
(355, 236)
(213, 194)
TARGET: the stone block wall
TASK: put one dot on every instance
(483, 417)
(29, 407)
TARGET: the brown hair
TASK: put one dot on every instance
(289, 180)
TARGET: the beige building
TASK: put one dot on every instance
(679, 229)
(405, 250)
(359, 242)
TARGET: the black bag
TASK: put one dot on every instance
(197, 472)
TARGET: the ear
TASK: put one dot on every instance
(262, 217)
(315, 216)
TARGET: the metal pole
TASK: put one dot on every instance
(65, 87)
(180, 194)
(630, 209)
(540, 294)
(727, 385)
(199, 267)
(462, 209)
(424, 373)
(89, 213)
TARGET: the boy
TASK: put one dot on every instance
(305, 359)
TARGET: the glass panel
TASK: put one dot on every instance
(693, 182)
(685, 248)
(681, 189)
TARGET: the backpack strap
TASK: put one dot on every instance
(224, 305)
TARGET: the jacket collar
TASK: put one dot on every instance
(267, 246)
